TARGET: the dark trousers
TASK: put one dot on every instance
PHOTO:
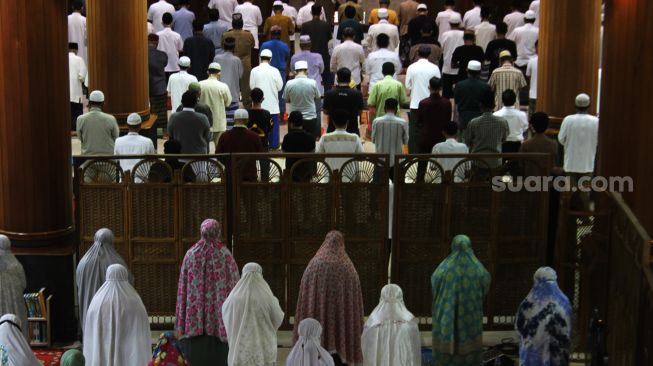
(376, 176)
(412, 132)
(510, 146)
(422, 165)
(447, 85)
(76, 110)
(312, 126)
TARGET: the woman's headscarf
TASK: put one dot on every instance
(391, 335)
(251, 316)
(73, 357)
(307, 350)
(12, 340)
(168, 352)
(117, 330)
(544, 322)
(330, 292)
(459, 285)
(92, 269)
(12, 284)
(208, 274)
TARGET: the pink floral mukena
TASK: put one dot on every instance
(208, 274)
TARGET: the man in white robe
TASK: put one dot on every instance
(77, 30)
(133, 144)
(156, 11)
(252, 18)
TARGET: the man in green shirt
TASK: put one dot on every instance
(385, 89)
(97, 131)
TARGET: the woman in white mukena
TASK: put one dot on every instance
(14, 349)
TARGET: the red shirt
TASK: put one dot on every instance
(432, 115)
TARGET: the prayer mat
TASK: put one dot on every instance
(49, 357)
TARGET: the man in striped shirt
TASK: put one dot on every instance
(506, 77)
(390, 133)
(486, 134)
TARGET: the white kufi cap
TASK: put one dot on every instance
(134, 119)
(96, 96)
(184, 61)
(474, 65)
(266, 53)
(582, 100)
(301, 65)
(529, 15)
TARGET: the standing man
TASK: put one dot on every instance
(469, 51)
(407, 11)
(392, 15)
(133, 143)
(427, 40)
(349, 55)
(303, 95)
(376, 60)
(472, 17)
(350, 22)
(304, 14)
(268, 79)
(280, 57)
(517, 122)
(579, 136)
(231, 74)
(339, 141)
(199, 107)
(506, 77)
(217, 96)
(531, 73)
(191, 129)
(170, 42)
(525, 38)
(182, 20)
(225, 9)
(76, 75)
(355, 5)
(385, 89)
(515, 18)
(390, 133)
(157, 61)
(283, 22)
(418, 77)
(178, 82)
(298, 141)
(485, 31)
(314, 61)
(97, 131)
(450, 40)
(344, 97)
(433, 113)
(200, 50)
(486, 133)
(321, 33)
(418, 23)
(535, 7)
(443, 19)
(468, 95)
(501, 43)
(450, 146)
(215, 28)
(244, 45)
(241, 140)
(382, 27)
(155, 14)
(252, 19)
(77, 29)
(288, 11)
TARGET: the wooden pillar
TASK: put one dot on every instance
(625, 131)
(117, 55)
(35, 154)
(569, 47)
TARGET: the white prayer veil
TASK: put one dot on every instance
(117, 330)
(308, 351)
(391, 334)
(251, 316)
(14, 343)
(92, 269)
(12, 284)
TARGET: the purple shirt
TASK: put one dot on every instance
(182, 22)
(315, 66)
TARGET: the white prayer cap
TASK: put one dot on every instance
(134, 119)
(215, 66)
(266, 53)
(422, 7)
(304, 39)
(96, 96)
(241, 114)
(301, 65)
(277, 3)
(382, 13)
(529, 15)
(455, 19)
(184, 61)
(474, 65)
(582, 100)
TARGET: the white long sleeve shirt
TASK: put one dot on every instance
(156, 11)
(178, 85)
(225, 8)
(304, 14)
(485, 33)
(579, 135)
(418, 76)
(268, 79)
(513, 20)
(77, 34)
(450, 41)
(525, 38)
(517, 122)
(171, 43)
(472, 18)
(375, 61)
(442, 21)
(76, 74)
(349, 54)
(132, 144)
(383, 26)
(252, 18)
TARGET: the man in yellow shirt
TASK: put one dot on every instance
(392, 15)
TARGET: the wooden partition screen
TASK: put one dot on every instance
(508, 229)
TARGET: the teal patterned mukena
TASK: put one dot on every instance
(459, 285)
